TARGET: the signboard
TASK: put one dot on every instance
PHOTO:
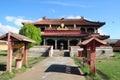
(18, 50)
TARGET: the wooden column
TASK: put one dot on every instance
(85, 56)
(9, 55)
(25, 54)
(92, 58)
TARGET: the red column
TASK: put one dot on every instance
(25, 55)
(92, 58)
(9, 55)
(85, 56)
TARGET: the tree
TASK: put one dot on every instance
(29, 30)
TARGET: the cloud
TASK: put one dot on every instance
(53, 10)
(68, 4)
(17, 20)
(101, 32)
(7, 28)
(73, 17)
(77, 17)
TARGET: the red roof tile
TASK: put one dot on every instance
(80, 21)
(18, 37)
(91, 39)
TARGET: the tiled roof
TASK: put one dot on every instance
(16, 37)
(91, 39)
(80, 21)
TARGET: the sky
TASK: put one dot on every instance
(14, 12)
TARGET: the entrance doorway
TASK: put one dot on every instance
(73, 42)
(51, 43)
(62, 42)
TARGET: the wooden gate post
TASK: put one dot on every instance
(9, 55)
(25, 54)
(92, 58)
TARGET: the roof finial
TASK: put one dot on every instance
(82, 17)
(44, 17)
(62, 18)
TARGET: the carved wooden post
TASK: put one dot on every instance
(85, 56)
(9, 55)
(25, 54)
(92, 58)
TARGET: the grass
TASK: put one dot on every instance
(85, 69)
(110, 67)
(8, 75)
(107, 68)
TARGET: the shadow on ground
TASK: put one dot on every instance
(63, 69)
(105, 77)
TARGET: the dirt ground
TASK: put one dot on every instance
(53, 68)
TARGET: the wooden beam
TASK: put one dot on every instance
(9, 55)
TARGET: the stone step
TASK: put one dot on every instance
(57, 53)
(38, 51)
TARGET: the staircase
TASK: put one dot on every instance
(64, 53)
(57, 53)
(38, 51)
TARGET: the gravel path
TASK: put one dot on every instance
(53, 68)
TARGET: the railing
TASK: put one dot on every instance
(63, 31)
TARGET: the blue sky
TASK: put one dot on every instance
(13, 12)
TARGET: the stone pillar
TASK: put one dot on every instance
(51, 51)
(80, 40)
(74, 26)
(94, 30)
(86, 30)
(44, 42)
(80, 28)
(55, 44)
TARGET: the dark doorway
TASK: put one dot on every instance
(83, 30)
(90, 30)
(73, 42)
(62, 42)
(51, 43)
(66, 54)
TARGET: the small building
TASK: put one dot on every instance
(115, 43)
(104, 52)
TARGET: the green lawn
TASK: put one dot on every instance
(110, 67)
(107, 68)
